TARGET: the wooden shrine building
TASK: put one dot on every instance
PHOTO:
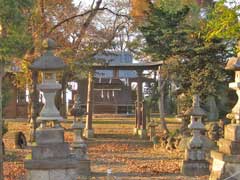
(108, 89)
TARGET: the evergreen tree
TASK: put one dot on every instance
(14, 42)
(177, 37)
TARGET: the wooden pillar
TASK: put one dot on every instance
(144, 123)
(136, 119)
(140, 127)
(139, 98)
(89, 133)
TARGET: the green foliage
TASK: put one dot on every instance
(13, 21)
(177, 35)
(5, 92)
(161, 32)
(223, 21)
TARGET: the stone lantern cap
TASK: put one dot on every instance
(48, 61)
(195, 110)
(233, 63)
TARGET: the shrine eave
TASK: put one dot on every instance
(128, 66)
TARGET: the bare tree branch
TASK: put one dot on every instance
(87, 22)
(84, 14)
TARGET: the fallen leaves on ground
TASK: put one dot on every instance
(127, 156)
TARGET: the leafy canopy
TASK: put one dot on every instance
(14, 36)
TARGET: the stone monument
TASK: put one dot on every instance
(50, 158)
(226, 161)
(194, 163)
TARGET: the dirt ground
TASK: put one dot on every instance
(114, 147)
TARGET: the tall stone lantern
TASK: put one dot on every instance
(194, 163)
(226, 161)
(51, 158)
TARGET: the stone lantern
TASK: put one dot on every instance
(194, 163)
(79, 146)
(51, 158)
(226, 161)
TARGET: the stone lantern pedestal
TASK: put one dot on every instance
(226, 161)
(51, 158)
(194, 163)
(79, 149)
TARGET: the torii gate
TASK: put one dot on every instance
(140, 124)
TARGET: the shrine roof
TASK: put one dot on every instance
(128, 66)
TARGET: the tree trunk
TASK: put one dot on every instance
(161, 85)
(35, 106)
(63, 108)
(1, 121)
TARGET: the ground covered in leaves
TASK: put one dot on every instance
(114, 147)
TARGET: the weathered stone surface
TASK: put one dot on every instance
(38, 175)
(56, 174)
(194, 154)
(60, 174)
(229, 147)
(224, 157)
(50, 151)
(51, 164)
(232, 132)
(84, 167)
(224, 169)
(80, 150)
(49, 135)
(212, 109)
(195, 168)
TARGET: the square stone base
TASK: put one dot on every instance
(53, 174)
(61, 169)
(195, 168)
(49, 135)
(50, 151)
